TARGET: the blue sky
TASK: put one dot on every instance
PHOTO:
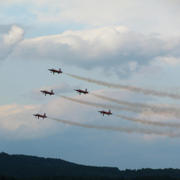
(134, 43)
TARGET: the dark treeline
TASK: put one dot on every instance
(29, 167)
(90, 178)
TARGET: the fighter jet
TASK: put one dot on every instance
(105, 112)
(40, 115)
(55, 70)
(47, 92)
(81, 91)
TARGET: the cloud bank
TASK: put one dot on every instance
(9, 38)
(136, 14)
(113, 48)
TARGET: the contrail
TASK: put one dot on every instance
(156, 109)
(154, 123)
(101, 105)
(126, 87)
(121, 129)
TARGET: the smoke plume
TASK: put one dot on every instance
(154, 123)
(121, 129)
(101, 105)
(154, 108)
(126, 87)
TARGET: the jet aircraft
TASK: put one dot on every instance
(58, 71)
(40, 115)
(105, 112)
(47, 92)
(80, 91)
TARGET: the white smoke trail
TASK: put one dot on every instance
(101, 105)
(121, 129)
(126, 87)
(154, 108)
(154, 123)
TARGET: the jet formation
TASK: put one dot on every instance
(80, 91)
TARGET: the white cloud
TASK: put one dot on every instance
(140, 15)
(8, 40)
(16, 121)
(108, 47)
(167, 60)
(144, 16)
(14, 35)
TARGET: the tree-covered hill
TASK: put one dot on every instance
(31, 167)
